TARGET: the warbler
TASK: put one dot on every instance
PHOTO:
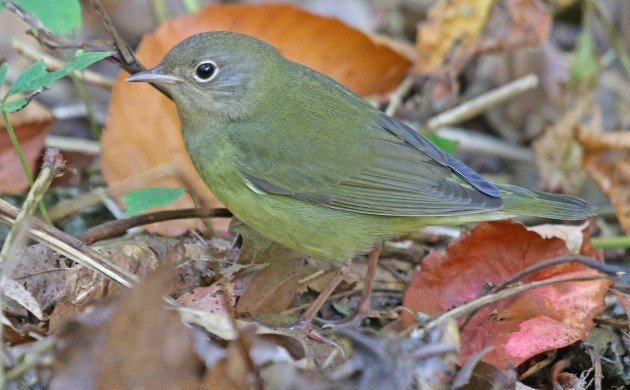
(307, 163)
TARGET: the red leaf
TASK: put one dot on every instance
(535, 321)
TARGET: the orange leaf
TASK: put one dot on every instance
(143, 130)
(30, 126)
(607, 159)
(534, 321)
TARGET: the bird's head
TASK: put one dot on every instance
(220, 74)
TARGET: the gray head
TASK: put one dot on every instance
(221, 74)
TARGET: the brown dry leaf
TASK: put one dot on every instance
(452, 29)
(210, 298)
(272, 289)
(135, 344)
(530, 22)
(558, 153)
(30, 126)
(607, 160)
(21, 295)
(518, 328)
(324, 44)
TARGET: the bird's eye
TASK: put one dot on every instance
(205, 71)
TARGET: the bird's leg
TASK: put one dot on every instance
(366, 292)
(305, 321)
(364, 304)
(314, 307)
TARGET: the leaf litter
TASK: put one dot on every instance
(237, 302)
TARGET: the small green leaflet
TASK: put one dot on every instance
(36, 75)
(14, 106)
(342, 308)
(137, 201)
(3, 72)
(585, 66)
(447, 145)
(62, 17)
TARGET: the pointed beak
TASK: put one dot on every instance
(154, 75)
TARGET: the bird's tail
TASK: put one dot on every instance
(520, 201)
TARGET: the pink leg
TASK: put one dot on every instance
(364, 305)
(314, 307)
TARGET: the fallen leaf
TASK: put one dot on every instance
(324, 44)
(136, 343)
(272, 289)
(21, 295)
(209, 298)
(30, 126)
(532, 322)
(451, 30)
(573, 236)
(558, 153)
(607, 160)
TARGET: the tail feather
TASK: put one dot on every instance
(520, 201)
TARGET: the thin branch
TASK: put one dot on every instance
(484, 144)
(492, 298)
(587, 261)
(482, 102)
(397, 96)
(71, 144)
(51, 167)
(50, 40)
(69, 246)
(120, 226)
(121, 46)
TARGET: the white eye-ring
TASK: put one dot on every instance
(206, 71)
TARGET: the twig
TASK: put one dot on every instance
(120, 226)
(69, 246)
(482, 102)
(71, 144)
(492, 298)
(121, 46)
(50, 40)
(483, 144)
(94, 197)
(551, 357)
(53, 63)
(597, 365)
(587, 261)
(22, 159)
(51, 167)
(397, 96)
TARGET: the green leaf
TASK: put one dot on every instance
(14, 106)
(137, 201)
(342, 308)
(447, 145)
(3, 72)
(36, 75)
(62, 17)
(585, 65)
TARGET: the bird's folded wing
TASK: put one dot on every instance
(389, 170)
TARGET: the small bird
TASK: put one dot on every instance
(309, 164)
